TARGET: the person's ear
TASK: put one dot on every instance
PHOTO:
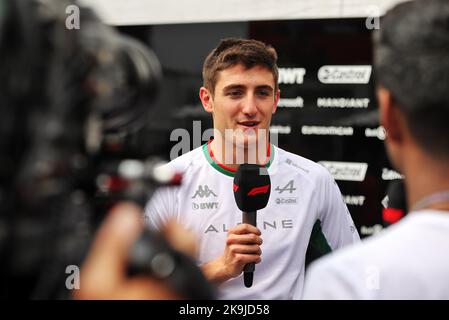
(206, 99)
(276, 100)
(390, 117)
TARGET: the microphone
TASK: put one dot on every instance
(395, 204)
(251, 192)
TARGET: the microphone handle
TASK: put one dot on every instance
(249, 218)
(248, 269)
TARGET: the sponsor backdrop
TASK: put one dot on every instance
(327, 112)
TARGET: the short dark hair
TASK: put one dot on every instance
(411, 60)
(233, 51)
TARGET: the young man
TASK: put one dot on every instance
(241, 92)
(409, 260)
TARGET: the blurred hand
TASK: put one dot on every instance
(242, 247)
(103, 275)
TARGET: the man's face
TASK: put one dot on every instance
(244, 102)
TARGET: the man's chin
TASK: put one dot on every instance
(246, 141)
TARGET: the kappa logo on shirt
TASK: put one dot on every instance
(203, 192)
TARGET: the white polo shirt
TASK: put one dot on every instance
(303, 196)
(408, 260)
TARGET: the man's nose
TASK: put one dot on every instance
(250, 106)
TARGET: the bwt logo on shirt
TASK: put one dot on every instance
(203, 192)
(204, 205)
(344, 74)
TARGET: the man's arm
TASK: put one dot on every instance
(242, 244)
(334, 217)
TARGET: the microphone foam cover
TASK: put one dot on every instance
(251, 187)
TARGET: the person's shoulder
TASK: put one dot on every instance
(374, 250)
(337, 275)
(180, 165)
(346, 257)
(343, 271)
(186, 160)
(301, 164)
(402, 253)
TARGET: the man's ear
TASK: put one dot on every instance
(390, 117)
(276, 100)
(206, 99)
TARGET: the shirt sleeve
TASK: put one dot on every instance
(161, 207)
(336, 222)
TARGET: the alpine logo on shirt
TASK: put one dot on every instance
(287, 189)
(266, 225)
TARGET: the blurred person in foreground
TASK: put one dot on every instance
(408, 260)
(71, 99)
(103, 275)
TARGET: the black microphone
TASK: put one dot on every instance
(395, 204)
(251, 193)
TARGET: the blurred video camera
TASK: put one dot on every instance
(71, 100)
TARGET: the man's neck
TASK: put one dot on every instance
(233, 156)
(426, 176)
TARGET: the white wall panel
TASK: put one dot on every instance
(134, 12)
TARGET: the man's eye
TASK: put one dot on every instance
(264, 93)
(234, 93)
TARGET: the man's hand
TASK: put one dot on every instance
(242, 247)
(103, 275)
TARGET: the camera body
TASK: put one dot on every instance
(70, 102)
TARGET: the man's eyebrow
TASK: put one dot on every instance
(240, 86)
(265, 87)
(233, 87)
